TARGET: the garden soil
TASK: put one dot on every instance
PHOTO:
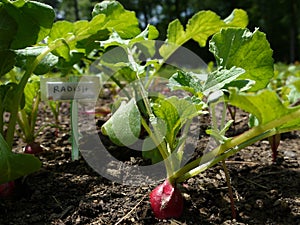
(70, 192)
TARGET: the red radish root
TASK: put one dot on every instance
(166, 201)
(33, 148)
(7, 189)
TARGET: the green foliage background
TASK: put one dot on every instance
(279, 19)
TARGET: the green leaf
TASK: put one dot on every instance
(61, 30)
(124, 127)
(202, 25)
(97, 23)
(7, 61)
(296, 83)
(64, 49)
(8, 28)
(199, 28)
(62, 38)
(124, 22)
(114, 59)
(109, 18)
(249, 51)
(175, 33)
(219, 78)
(196, 85)
(238, 18)
(114, 40)
(13, 166)
(175, 112)
(66, 65)
(171, 115)
(289, 92)
(79, 36)
(252, 121)
(141, 39)
(91, 42)
(8, 101)
(26, 56)
(187, 81)
(125, 73)
(150, 151)
(33, 19)
(112, 8)
(151, 32)
(242, 85)
(266, 106)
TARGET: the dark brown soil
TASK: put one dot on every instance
(70, 192)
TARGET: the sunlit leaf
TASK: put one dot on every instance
(187, 81)
(219, 78)
(266, 106)
(249, 51)
(202, 25)
(238, 18)
(124, 22)
(197, 85)
(176, 33)
(199, 28)
(175, 112)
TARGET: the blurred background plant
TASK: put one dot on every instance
(279, 19)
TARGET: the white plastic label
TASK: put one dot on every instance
(55, 89)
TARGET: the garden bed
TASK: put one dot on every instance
(70, 192)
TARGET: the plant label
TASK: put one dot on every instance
(58, 89)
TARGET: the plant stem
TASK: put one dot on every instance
(161, 147)
(230, 192)
(18, 96)
(155, 134)
(33, 116)
(234, 145)
(121, 86)
(232, 111)
(208, 160)
(23, 122)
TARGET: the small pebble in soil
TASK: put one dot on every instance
(259, 203)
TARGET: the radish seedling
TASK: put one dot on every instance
(240, 83)
(244, 68)
(60, 45)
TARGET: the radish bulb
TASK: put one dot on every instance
(33, 148)
(166, 201)
(7, 189)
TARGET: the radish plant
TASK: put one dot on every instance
(244, 70)
(27, 117)
(286, 84)
(34, 43)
